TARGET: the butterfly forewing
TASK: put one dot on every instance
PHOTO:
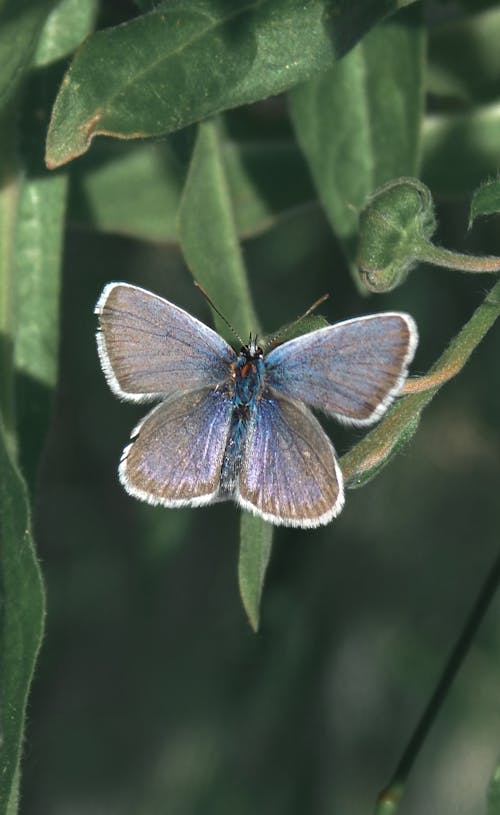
(351, 370)
(289, 474)
(176, 457)
(148, 347)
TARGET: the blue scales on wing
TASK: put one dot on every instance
(176, 454)
(351, 370)
(289, 473)
(150, 348)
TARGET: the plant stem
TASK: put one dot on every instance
(455, 260)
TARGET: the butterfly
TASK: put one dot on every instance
(238, 425)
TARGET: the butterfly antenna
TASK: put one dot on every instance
(217, 311)
(313, 307)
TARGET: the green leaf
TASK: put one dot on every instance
(20, 24)
(208, 235)
(460, 150)
(359, 123)
(38, 243)
(22, 610)
(210, 245)
(266, 180)
(36, 272)
(67, 25)
(485, 201)
(185, 61)
(101, 185)
(256, 539)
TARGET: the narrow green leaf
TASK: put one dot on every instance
(20, 24)
(256, 539)
(208, 235)
(460, 150)
(22, 613)
(38, 241)
(36, 270)
(66, 26)
(210, 245)
(359, 123)
(485, 201)
(185, 61)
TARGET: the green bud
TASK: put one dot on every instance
(394, 230)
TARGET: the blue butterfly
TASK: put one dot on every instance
(235, 425)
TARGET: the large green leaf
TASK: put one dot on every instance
(187, 60)
(22, 611)
(210, 244)
(359, 123)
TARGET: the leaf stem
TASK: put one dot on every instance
(437, 255)
(389, 798)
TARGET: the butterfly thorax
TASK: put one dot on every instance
(247, 375)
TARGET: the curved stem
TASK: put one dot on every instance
(456, 260)
(421, 384)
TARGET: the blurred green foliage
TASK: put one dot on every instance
(151, 693)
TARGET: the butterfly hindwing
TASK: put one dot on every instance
(351, 370)
(149, 347)
(289, 474)
(176, 455)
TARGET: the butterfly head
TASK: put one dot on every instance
(252, 350)
(250, 359)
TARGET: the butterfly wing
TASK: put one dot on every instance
(176, 454)
(149, 348)
(351, 370)
(289, 474)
